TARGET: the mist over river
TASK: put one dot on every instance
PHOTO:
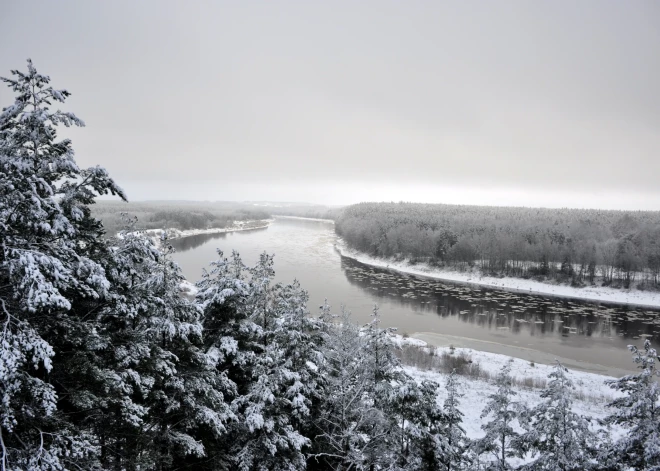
(586, 335)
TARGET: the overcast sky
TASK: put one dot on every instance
(553, 103)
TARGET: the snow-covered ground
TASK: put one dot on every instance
(587, 384)
(599, 293)
(590, 398)
(476, 394)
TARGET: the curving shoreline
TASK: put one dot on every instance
(636, 298)
(301, 218)
(173, 233)
(187, 288)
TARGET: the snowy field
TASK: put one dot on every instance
(591, 394)
(603, 294)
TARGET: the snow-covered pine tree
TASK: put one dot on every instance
(222, 295)
(287, 371)
(402, 408)
(638, 411)
(383, 363)
(503, 413)
(453, 443)
(430, 427)
(50, 272)
(301, 339)
(387, 383)
(184, 396)
(416, 421)
(558, 438)
(252, 326)
(348, 411)
(109, 360)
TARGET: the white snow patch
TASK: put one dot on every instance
(476, 394)
(591, 394)
(188, 288)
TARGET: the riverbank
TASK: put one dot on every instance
(187, 288)
(173, 233)
(590, 393)
(526, 355)
(592, 293)
(330, 221)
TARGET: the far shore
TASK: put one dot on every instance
(513, 351)
(647, 299)
(173, 233)
(330, 221)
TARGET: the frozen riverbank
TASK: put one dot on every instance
(590, 394)
(594, 293)
(173, 233)
(525, 354)
(186, 287)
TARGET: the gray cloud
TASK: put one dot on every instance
(533, 99)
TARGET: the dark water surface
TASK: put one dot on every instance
(594, 333)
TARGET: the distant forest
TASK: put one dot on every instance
(315, 211)
(186, 215)
(580, 246)
(175, 214)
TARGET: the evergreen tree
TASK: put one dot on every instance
(499, 430)
(263, 338)
(301, 339)
(187, 402)
(386, 383)
(638, 411)
(453, 444)
(50, 275)
(348, 413)
(430, 429)
(416, 427)
(558, 438)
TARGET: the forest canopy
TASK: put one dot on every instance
(580, 246)
(181, 215)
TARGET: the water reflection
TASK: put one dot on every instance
(304, 250)
(192, 242)
(533, 315)
(184, 244)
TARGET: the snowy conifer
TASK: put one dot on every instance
(417, 425)
(503, 413)
(386, 385)
(558, 438)
(188, 406)
(429, 424)
(50, 272)
(348, 413)
(383, 363)
(252, 326)
(453, 444)
(638, 411)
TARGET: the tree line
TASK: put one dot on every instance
(104, 364)
(175, 215)
(580, 246)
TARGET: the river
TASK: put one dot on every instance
(585, 335)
